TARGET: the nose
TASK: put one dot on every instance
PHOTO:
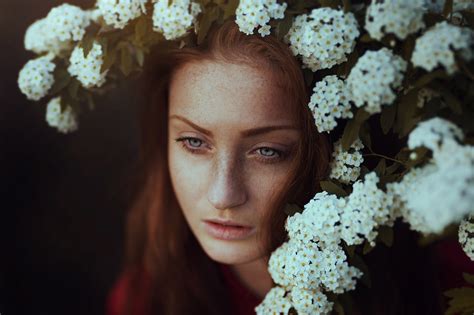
(227, 187)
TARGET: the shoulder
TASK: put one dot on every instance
(130, 284)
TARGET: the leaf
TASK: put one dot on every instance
(230, 8)
(73, 88)
(364, 135)
(90, 101)
(448, 7)
(469, 278)
(346, 5)
(380, 168)
(338, 308)
(359, 263)
(126, 61)
(140, 29)
(386, 235)
(206, 22)
(308, 77)
(61, 80)
(351, 130)
(284, 26)
(332, 188)
(350, 250)
(392, 168)
(291, 209)
(140, 56)
(427, 78)
(367, 248)
(406, 110)
(109, 60)
(87, 43)
(387, 118)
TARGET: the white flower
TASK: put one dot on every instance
(373, 78)
(64, 25)
(458, 5)
(345, 165)
(87, 69)
(466, 236)
(433, 132)
(439, 44)
(65, 121)
(251, 14)
(310, 301)
(367, 207)
(330, 100)
(400, 17)
(440, 193)
(36, 77)
(119, 12)
(323, 38)
(275, 302)
(174, 20)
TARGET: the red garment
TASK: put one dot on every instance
(244, 301)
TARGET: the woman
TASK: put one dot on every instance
(227, 137)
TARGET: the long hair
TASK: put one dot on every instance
(159, 243)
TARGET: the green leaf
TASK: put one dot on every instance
(406, 110)
(367, 248)
(126, 61)
(86, 43)
(332, 188)
(109, 60)
(469, 278)
(448, 7)
(386, 235)
(73, 88)
(392, 168)
(364, 134)
(61, 80)
(291, 209)
(230, 8)
(206, 22)
(387, 118)
(284, 26)
(427, 78)
(351, 131)
(140, 56)
(380, 168)
(140, 29)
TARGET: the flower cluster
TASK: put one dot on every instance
(458, 5)
(323, 38)
(438, 45)
(119, 12)
(36, 77)
(373, 78)
(345, 165)
(466, 236)
(57, 32)
(313, 261)
(330, 100)
(174, 20)
(257, 13)
(87, 69)
(399, 17)
(65, 121)
(425, 193)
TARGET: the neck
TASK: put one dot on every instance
(255, 276)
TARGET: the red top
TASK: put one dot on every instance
(449, 254)
(244, 301)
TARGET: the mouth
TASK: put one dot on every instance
(227, 231)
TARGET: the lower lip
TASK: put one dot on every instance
(228, 232)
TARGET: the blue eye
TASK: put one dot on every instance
(268, 151)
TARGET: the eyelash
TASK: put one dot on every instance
(281, 154)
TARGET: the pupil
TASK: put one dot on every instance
(195, 142)
(265, 151)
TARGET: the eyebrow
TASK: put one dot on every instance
(244, 133)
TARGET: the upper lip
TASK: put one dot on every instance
(227, 222)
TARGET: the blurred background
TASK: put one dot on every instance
(64, 197)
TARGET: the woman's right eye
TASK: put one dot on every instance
(190, 144)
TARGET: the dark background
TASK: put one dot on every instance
(64, 197)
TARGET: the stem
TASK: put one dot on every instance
(385, 157)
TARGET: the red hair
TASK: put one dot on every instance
(158, 240)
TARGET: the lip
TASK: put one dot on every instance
(226, 231)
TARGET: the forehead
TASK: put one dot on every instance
(216, 92)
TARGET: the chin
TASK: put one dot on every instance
(231, 253)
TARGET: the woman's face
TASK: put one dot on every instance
(231, 140)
